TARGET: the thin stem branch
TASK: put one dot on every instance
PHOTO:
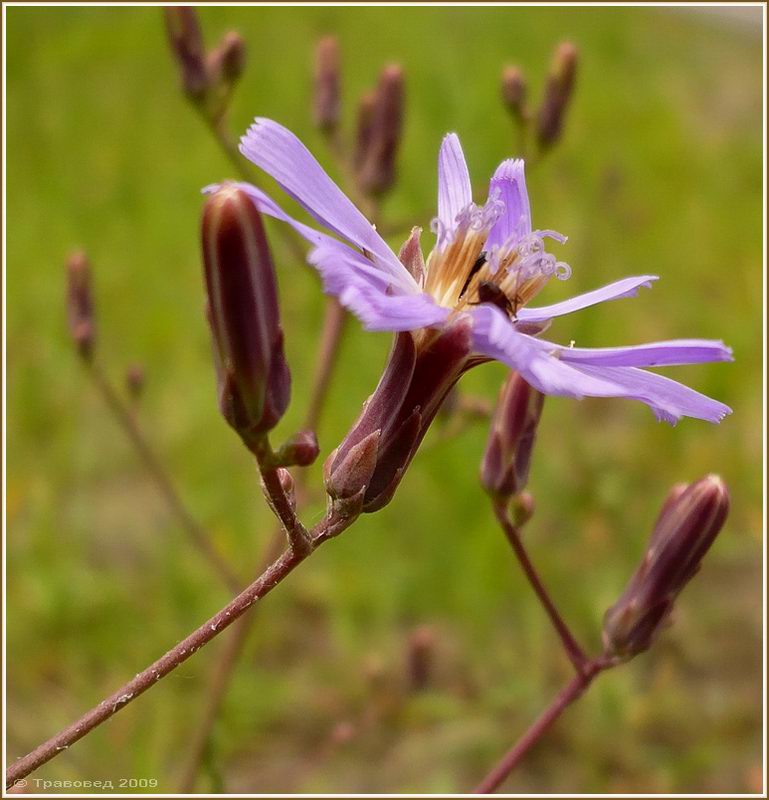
(127, 421)
(176, 656)
(574, 651)
(571, 692)
(328, 351)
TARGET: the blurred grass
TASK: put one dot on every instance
(660, 172)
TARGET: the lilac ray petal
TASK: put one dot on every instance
(509, 184)
(496, 337)
(668, 399)
(627, 287)
(367, 294)
(268, 206)
(282, 155)
(454, 190)
(676, 352)
(381, 312)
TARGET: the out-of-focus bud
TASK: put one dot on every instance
(300, 450)
(228, 60)
(364, 128)
(514, 92)
(254, 378)
(558, 91)
(80, 304)
(134, 381)
(505, 464)
(686, 528)
(326, 84)
(420, 652)
(347, 476)
(521, 509)
(377, 171)
(186, 41)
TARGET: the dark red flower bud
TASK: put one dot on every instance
(326, 101)
(514, 92)
(300, 450)
(254, 377)
(558, 91)
(376, 453)
(228, 60)
(505, 465)
(689, 522)
(420, 657)
(186, 41)
(377, 170)
(80, 304)
(364, 127)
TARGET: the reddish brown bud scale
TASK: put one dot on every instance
(326, 97)
(186, 41)
(243, 313)
(506, 461)
(300, 450)
(686, 528)
(377, 170)
(558, 91)
(80, 311)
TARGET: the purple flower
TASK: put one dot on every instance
(487, 265)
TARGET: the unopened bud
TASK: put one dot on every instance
(228, 60)
(558, 91)
(134, 381)
(80, 304)
(365, 124)
(186, 41)
(288, 486)
(254, 378)
(420, 657)
(300, 450)
(514, 92)
(506, 461)
(688, 524)
(326, 84)
(377, 171)
(347, 477)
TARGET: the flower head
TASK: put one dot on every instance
(487, 264)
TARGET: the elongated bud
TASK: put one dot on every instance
(228, 60)
(186, 41)
(300, 450)
(505, 464)
(420, 657)
(558, 91)
(377, 171)
(326, 84)
(254, 378)
(80, 304)
(364, 127)
(514, 92)
(134, 381)
(688, 524)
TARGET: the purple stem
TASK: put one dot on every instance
(572, 691)
(575, 653)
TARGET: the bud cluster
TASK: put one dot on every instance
(548, 120)
(207, 78)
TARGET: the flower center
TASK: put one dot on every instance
(461, 272)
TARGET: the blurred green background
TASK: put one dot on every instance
(659, 171)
